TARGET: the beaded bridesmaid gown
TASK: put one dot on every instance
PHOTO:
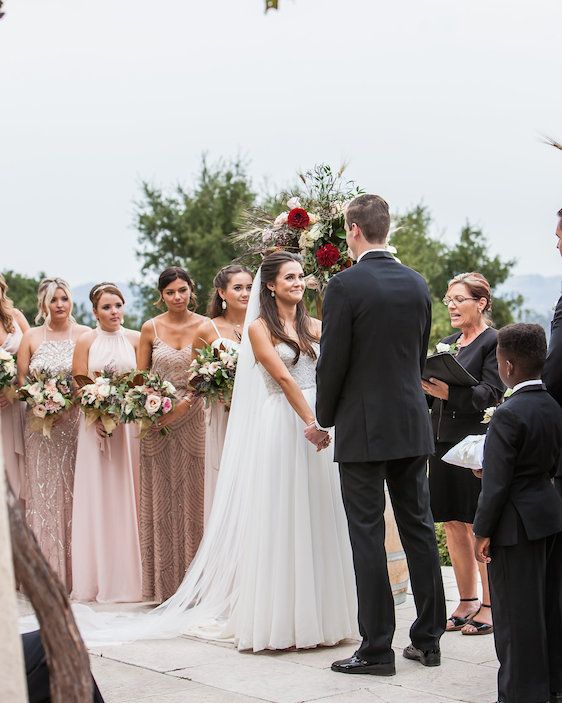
(11, 423)
(172, 475)
(106, 561)
(49, 465)
(216, 421)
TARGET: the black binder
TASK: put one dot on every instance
(446, 368)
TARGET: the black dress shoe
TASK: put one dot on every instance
(555, 696)
(428, 657)
(356, 665)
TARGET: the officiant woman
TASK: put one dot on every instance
(456, 412)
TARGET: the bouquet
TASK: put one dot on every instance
(312, 225)
(47, 396)
(212, 372)
(101, 398)
(147, 399)
(7, 374)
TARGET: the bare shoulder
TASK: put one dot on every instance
(258, 327)
(199, 320)
(316, 327)
(80, 330)
(147, 327)
(86, 338)
(20, 318)
(33, 334)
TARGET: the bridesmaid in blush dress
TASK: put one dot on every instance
(172, 466)
(106, 562)
(49, 462)
(12, 326)
(226, 310)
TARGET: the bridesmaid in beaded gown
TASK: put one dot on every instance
(49, 462)
(226, 310)
(106, 562)
(12, 326)
(172, 466)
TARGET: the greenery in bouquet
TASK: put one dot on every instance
(212, 372)
(8, 373)
(312, 225)
(47, 396)
(147, 399)
(101, 398)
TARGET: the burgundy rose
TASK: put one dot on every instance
(328, 255)
(298, 218)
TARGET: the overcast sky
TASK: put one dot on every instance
(433, 101)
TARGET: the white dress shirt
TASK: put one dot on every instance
(369, 251)
(534, 382)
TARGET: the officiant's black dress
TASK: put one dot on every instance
(454, 490)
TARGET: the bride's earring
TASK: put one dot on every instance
(223, 304)
(273, 294)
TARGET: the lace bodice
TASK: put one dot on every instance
(53, 355)
(304, 371)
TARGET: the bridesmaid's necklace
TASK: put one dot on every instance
(236, 328)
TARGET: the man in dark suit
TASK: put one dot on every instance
(376, 323)
(518, 523)
(552, 374)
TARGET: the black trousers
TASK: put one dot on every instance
(37, 672)
(526, 591)
(363, 497)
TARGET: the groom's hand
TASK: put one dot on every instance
(314, 435)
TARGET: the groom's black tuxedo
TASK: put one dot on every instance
(376, 322)
(552, 374)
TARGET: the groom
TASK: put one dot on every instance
(376, 322)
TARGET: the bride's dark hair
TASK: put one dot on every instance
(269, 313)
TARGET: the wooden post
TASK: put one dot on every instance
(67, 657)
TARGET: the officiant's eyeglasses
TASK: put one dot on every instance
(456, 299)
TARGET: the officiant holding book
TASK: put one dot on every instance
(458, 411)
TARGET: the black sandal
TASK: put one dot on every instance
(458, 621)
(482, 628)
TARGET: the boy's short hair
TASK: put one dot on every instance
(526, 344)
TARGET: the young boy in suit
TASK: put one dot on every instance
(518, 523)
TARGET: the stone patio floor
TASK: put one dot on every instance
(186, 670)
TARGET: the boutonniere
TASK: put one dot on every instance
(489, 412)
(442, 348)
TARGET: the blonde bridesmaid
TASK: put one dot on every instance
(12, 326)
(50, 461)
(172, 466)
(226, 310)
(106, 562)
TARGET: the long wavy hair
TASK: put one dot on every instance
(220, 282)
(6, 307)
(269, 313)
(45, 293)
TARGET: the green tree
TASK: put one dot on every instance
(438, 263)
(23, 291)
(190, 227)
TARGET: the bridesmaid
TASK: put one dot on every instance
(106, 562)
(226, 310)
(172, 466)
(49, 462)
(12, 326)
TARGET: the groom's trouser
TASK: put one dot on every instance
(363, 496)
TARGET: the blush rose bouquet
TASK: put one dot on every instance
(101, 398)
(48, 396)
(212, 373)
(147, 399)
(8, 373)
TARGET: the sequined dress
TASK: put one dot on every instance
(12, 422)
(49, 465)
(172, 475)
(105, 540)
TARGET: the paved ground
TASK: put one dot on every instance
(186, 670)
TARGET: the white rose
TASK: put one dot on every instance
(168, 387)
(293, 203)
(281, 219)
(152, 404)
(39, 411)
(315, 232)
(103, 390)
(440, 348)
(100, 381)
(58, 398)
(34, 389)
(304, 241)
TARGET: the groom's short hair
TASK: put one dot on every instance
(370, 213)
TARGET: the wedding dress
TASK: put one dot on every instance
(274, 569)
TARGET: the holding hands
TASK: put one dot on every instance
(320, 438)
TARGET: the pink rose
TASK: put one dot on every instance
(166, 405)
(39, 411)
(152, 404)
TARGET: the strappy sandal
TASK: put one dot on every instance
(458, 621)
(481, 628)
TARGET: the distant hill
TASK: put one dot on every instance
(540, 292)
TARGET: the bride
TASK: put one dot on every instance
(274, 569)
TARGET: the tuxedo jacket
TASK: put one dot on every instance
(375, 332)
(521, 455)
(552, 373)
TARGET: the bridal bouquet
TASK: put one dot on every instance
(212, 372)
(101, 398)
(147, 399)
(7, 374)
(312, 225)
(47, 396)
